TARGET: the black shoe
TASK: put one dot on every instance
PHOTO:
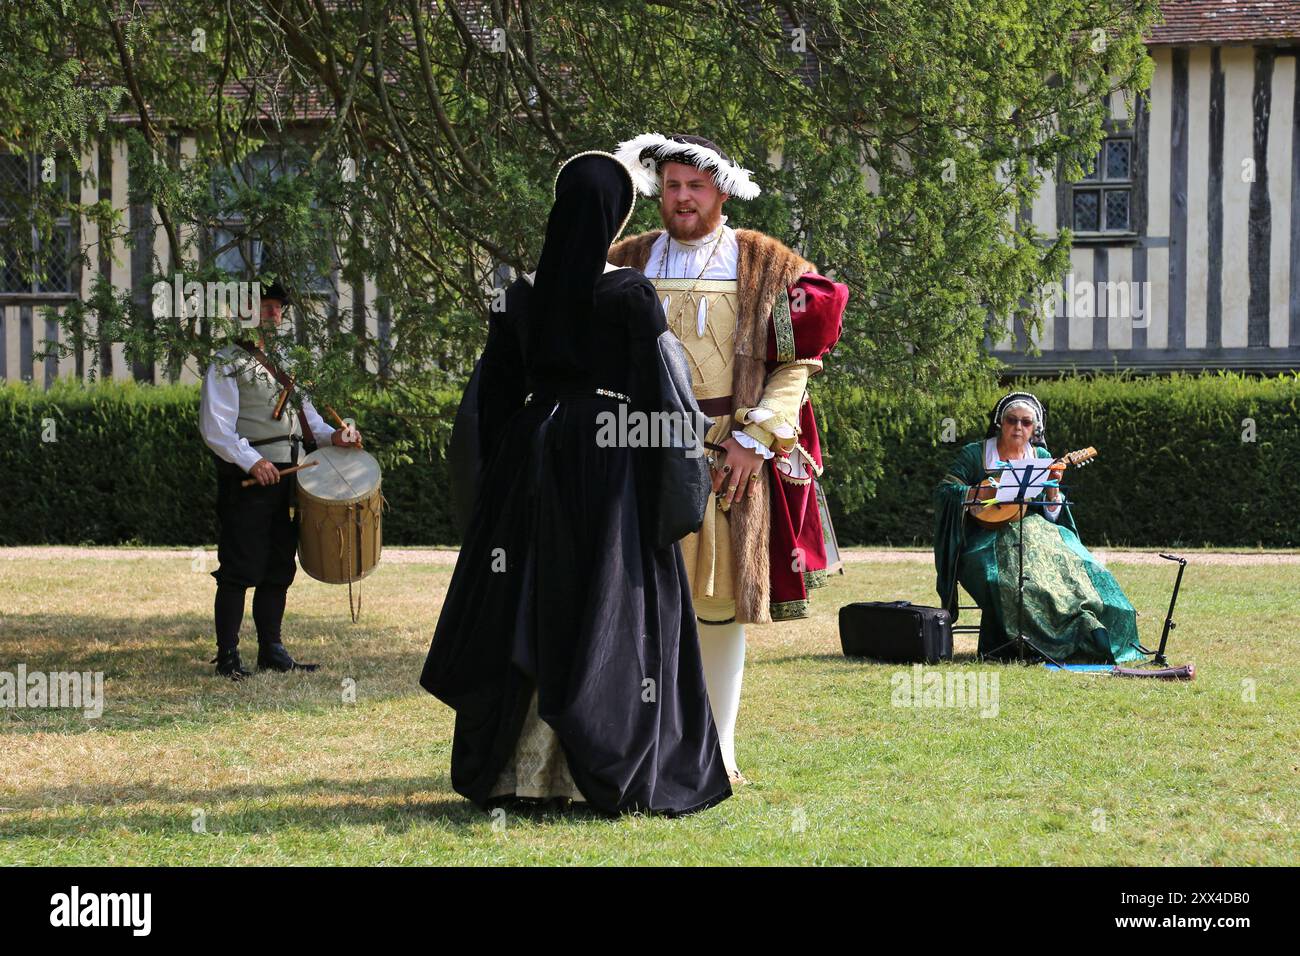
(273, 657)
(229, 664)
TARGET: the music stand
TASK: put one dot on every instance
(1159, 658)
(1024, 484)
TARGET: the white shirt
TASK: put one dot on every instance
(991, 458)
(687, 258)
(219, 411)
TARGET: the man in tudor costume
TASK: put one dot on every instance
(756, 320)
(252, 418)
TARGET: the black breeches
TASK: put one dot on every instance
(256, 548)
(258, 540)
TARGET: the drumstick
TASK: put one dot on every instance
(288, 471)
(342, 423)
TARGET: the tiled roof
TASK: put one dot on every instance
(1190, 22)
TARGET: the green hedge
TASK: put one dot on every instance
(1172, 469)
(127, 466)
(124, 463)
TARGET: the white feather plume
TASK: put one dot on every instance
(730, 178)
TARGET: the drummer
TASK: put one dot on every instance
(257, 539)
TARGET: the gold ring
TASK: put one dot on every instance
(753, 476)
(732, 487)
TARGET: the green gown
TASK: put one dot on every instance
(1073, 606)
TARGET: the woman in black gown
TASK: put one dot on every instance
(567, 644)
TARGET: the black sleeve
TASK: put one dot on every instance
(501, 386)
(673, 479)
(492, 394)
(645, 323)
(644, 320)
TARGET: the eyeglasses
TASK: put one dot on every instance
(1024, 422)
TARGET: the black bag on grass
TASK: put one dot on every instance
(898, 632)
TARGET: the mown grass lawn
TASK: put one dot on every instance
(1072, 770)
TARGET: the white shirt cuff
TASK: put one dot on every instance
(753, 444)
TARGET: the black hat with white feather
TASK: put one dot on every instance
(646, 154)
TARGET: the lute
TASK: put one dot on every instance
(992, 514)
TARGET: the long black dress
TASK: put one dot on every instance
(559, 589)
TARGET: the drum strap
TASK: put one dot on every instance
(289, 398)
(345, 545)
(345, 552)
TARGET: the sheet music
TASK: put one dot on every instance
(1023, 479)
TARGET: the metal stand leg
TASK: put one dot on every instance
(1020, 640)
(1159, 657)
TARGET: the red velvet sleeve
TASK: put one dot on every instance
(815, 319)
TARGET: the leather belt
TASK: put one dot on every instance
(293, 440)
(269, 441)
(716, 407)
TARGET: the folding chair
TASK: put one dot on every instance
(966, 628)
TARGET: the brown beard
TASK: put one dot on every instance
(707, 221)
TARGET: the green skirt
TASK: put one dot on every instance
(1074, 607)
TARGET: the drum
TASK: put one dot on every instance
(340, 512)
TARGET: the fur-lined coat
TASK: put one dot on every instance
(767, 269)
